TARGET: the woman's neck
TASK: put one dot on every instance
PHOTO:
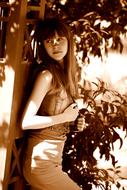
(61, 62)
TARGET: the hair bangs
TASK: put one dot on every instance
(47, 30)
(51, 31)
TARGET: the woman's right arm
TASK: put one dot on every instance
(30, 119)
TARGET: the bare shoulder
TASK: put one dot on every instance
(46, 76)
(44, 79)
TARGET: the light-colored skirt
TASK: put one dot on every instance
(43, 166)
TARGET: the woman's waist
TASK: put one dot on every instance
(52, 132)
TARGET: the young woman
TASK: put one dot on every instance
(50, 108)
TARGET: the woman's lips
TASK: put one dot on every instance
(56, 52)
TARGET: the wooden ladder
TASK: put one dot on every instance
(18, 51)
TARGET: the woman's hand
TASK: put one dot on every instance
(71, 112)
(80, 122)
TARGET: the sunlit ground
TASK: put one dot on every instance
(114, 72)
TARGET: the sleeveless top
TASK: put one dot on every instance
(52, 104)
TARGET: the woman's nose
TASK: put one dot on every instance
(55, 42)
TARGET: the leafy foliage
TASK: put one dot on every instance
(104, 112)
(96, 24)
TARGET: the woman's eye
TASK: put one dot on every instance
(59, 39)
(49, 41)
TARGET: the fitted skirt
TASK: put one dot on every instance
(43, 166)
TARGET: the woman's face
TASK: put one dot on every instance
(56, 47)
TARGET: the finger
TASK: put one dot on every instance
(81, 120)
(80, 129)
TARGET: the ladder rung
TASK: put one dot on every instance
(33, 8)
(14, 179)
(4, 4)
(4, 19)
(31, 21)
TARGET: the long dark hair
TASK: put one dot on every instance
(66, 77)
